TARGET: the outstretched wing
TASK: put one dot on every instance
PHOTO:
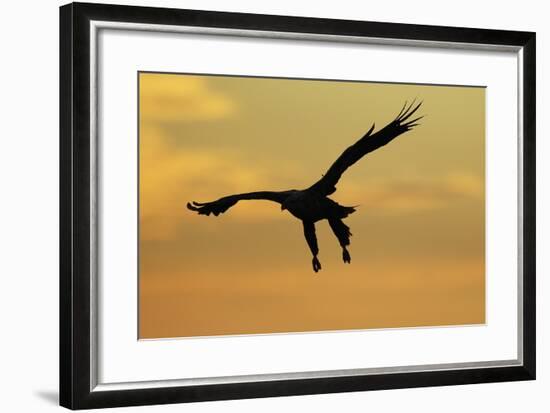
(368, 143)
(223, 204)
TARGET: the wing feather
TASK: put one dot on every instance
(368, 143)
(223, 204)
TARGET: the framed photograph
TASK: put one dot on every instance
(257, 206)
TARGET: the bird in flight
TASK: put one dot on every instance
(313, 204)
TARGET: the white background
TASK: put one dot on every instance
(124, 359)
(29, 208)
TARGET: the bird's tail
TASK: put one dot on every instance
(346, 210)
(339, 211)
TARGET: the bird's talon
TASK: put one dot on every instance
(316, 264)
(346, 256)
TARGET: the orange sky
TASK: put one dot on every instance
(418, 236)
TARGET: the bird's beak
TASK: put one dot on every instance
(283, 207)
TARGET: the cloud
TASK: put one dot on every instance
(170, 177)
(173, 98)
(466, 185)
(399, 196)
(173, 176)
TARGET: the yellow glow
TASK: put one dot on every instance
(418, 234)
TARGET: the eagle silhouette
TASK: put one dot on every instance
(313, 204)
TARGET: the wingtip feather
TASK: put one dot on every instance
(409, 112)
(370, 130)
(401, 111)
(413, 122)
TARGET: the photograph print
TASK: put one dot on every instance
(278, 205)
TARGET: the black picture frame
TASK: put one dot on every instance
(75, 290)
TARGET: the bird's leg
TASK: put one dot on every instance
(343, 234)
(311, 238)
